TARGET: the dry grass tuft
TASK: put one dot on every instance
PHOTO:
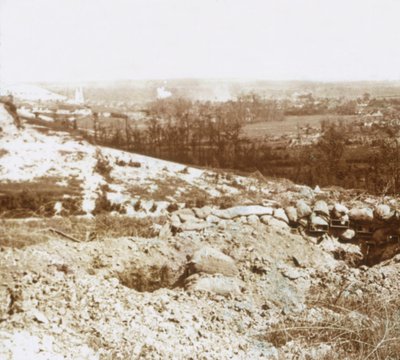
(358, 329)
(21, 233)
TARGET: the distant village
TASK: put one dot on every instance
(34, 103)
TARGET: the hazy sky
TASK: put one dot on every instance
(51, 40)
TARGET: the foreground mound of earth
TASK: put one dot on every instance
(210, 294)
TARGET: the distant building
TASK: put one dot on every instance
(79, 99)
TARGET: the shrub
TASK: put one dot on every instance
(225, 202)
(138, 205)
(103, 205)
(27, 203)
(135, 164)
(172, 207)
(111, 226)
(103, 166)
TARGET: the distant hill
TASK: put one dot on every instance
(30, 92)
(141, 91)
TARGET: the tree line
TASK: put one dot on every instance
(211, 134)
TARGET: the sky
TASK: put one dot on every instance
(79, 40)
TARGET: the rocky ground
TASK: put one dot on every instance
(217, 293)
(256, 269)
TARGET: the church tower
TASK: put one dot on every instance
(79, 99)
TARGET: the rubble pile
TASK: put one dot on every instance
(209, 294)
(378, 227)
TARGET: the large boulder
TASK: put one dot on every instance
(237, 211)
(321, 208)
(361, 214)
(383, 212)
(273, 222)
(217, 284)
(303, 209)
(212, 261)
(318, 221)
(291, 213)
(281, 215)
(339, 210)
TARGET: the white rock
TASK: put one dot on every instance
(321, 207)
(194, 226)
(38, 316)
(237, 211)
(303, 209)
(253, 219)
(213, 219)
(275, 223)
(217, 284)
(383, 212)
(291, 213)
(188, 218)
(347, 235)
(361, 214)
(281, 215)
(202, 213)
(318, 220)
(340, 209)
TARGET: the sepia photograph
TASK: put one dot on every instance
(199, 179)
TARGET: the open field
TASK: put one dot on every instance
(289, 125)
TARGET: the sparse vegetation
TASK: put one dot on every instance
(103, 166)
(355, 329)
(19, 234)
(37, 198)
(104, 205)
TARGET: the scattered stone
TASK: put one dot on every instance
(238, 211)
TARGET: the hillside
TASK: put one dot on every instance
(126, 256)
